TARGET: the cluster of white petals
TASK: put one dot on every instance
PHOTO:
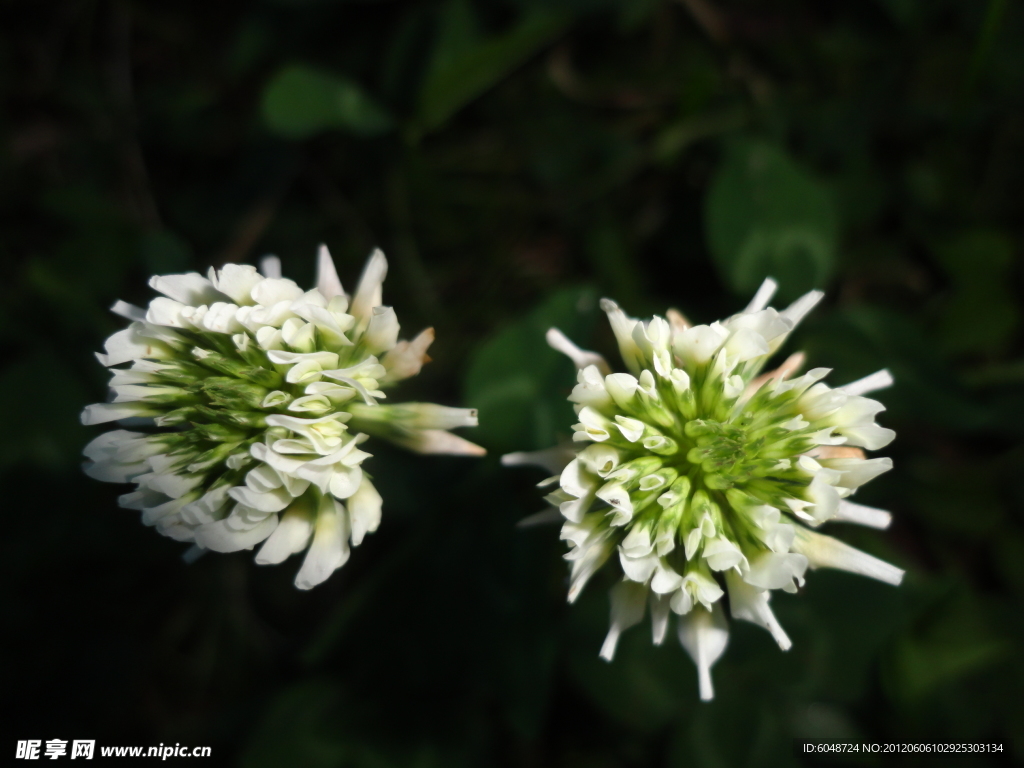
(256, 397)
(701, 478)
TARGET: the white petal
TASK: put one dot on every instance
(270, 267)
(776, 570)
(329, 549)
(369, 293)
(699, 344)
(364, 507)
(796, 311)
(825, 552)
(327, 281)
(222, 537)
(763, 296)
(129, 344)
(441, 442)
(291, 535)
(406, 358)
(862, 515)
(382, 332)
(274, 291)
(660, 611)
(101, 413)
(878, 380)
(554, 459)
(665, 580)
(704, 634)
(581, 358)
(270, 501)
(749, 603)
(191, 288)
(628, 602)
(622, 327)
(236, 281)
(128, 311)
(638, 569)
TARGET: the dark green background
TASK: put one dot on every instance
(517, 160)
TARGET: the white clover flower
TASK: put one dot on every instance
(264, 393)
(707, 478)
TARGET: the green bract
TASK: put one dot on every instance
(706, 477)
(261, 394)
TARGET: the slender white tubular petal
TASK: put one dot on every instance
(327, 280)
(369, 293)
(291, 535)
(660, 611)
(878, 380)
(128, 311)
(704, 634)
(101, 413)
(329, 549)
(622, 327)
(406, 358)
(420, 415)
(751, 604)
(825, 552)
(221, 536)
(862, 515)
(236, 281)
(763, 296)
(581, 358)
(439, 441)
(191, 288)
(364, 507)
(796, 311)
(382, 332)
(629, 600)
(543, 517)
(192, 554)
(270, 267)
(553, 459)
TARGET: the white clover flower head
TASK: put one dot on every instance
(256, 397)
(707, 478)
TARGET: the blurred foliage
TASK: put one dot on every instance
(517, 159)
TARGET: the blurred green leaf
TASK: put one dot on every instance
(462, 69)
(767, 216)
(300, 101)
(981, 314)
(519, 384)
(952, 641)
